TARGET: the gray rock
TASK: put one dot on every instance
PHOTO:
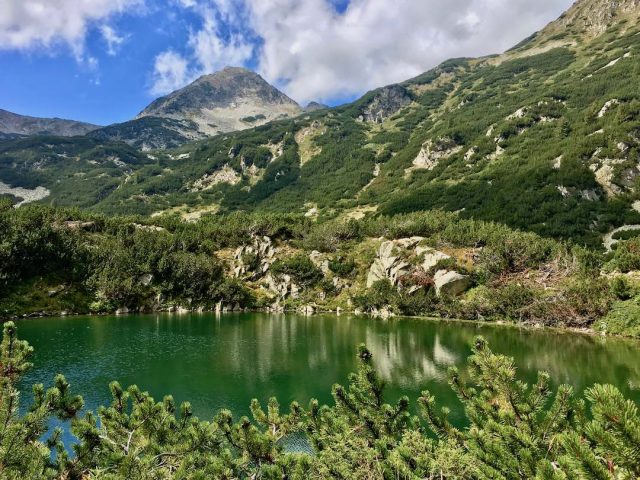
(431, 257)
(386, 266)
(385, 103)
(451, 283)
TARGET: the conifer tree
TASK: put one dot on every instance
(23, 454)
(512, 431)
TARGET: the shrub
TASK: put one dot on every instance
(621, 289)
(342, 266)
(381, 294)
(300, 268)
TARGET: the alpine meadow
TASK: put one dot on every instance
(466, 242)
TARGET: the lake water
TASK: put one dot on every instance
(223, 361)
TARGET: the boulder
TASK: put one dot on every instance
(79, 225)
(431, 257)
(451, 283)
(307, 310)
(386, 266)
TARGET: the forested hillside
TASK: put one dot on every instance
(503, 188)
(60, 261)
(544, 137)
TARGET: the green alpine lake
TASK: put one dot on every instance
(223, 361)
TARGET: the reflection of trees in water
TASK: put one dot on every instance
(230, 358)
(411, 352)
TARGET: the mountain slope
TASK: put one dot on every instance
(545, 137)
(14, 124)
(150, 133)
(229, 100)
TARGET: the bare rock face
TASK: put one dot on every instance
(229, 100)
(226, 174)
(254, 260)
(387, 266)
(386, 102)
(432, 152)
(449, 283)
(320, 261)
(283, 286)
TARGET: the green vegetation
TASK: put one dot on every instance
(513, 431)
(68, 261)
(623, 319)
(254, 118)
(517, 139)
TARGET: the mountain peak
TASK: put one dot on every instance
(233, 98)
(594, 17)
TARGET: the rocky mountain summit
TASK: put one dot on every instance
(594, 17)
(229, 100)
(14, 124)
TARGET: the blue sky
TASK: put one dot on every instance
(103, 61)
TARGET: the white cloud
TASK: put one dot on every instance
(112, 39)
(318, 53)
(219, 42)
(212, 50)
(30, 24)
(315, 53)
(170, 72)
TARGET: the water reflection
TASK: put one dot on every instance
(225, 360)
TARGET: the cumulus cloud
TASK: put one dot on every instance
(29, 24)
(224, 38)
(315, 51)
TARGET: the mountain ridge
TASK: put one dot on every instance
(15, 124)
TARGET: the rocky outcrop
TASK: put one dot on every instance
(224, 175)
(604, 172)
(449, 283)
(80, 225)
(592, 17)
(254, 260)
(387, 266)
(607, 106)
(283, 286)
(432, 152)
(320, 261)
(386, 102)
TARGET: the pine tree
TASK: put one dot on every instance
(513, 431)
(22, 453)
